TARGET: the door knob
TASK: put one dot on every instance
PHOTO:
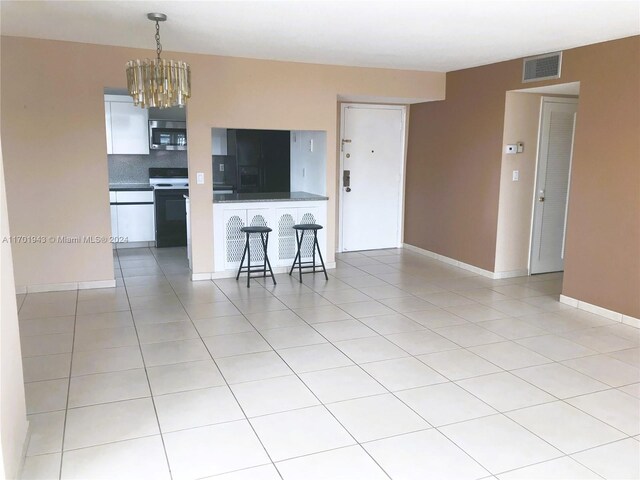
(348, 189)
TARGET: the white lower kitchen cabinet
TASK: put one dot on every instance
(133, 216)
(136, 223)
(280, 216)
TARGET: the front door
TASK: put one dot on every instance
(372, 150)
(552, 184)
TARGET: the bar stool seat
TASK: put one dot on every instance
(264, 239)
(297, 261)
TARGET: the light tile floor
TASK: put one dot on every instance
(398, 367)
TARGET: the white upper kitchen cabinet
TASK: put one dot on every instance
(127, 126)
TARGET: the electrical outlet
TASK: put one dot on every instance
(222, 167)
(200, 178)
(515, 176)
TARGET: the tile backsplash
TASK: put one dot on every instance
(135, 168)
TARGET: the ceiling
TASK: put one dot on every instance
(430, 35)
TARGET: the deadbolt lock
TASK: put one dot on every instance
(348, 155)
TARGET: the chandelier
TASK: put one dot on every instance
(158, 83)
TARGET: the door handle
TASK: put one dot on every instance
(346, 180)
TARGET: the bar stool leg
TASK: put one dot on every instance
(248, 260)
(295, 259)
(266, 243)
(300, 254)
(316, 245)
(244, 252)
(264, 260)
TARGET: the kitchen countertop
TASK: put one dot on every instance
(266, 197)
(129, 186)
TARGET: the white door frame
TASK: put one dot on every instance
(544, 100)
(403, 110)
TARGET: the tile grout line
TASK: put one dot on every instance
(146, 373)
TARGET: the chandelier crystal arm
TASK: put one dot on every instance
(158, 44)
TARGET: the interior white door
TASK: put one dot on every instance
(552, 185)
(372, 160)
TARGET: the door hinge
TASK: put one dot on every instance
(342, 142)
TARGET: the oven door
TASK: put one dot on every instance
(171, 217)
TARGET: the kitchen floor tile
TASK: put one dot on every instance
(348, 463)
(344, 330)
(196, 408)
(422, 342)
(137, 458)
(263, 472)
(110, 422)
(253, 366)
(273, 395)
(512, 328)
(403, 373)
(555, 347)
(510, 446)
(46, 326)
(288, 337)
(459, 364)
(300, 432)
(46, 367)
(618, 460)
(565, 427)
(100, 321)
(509, 355)
(37, 345)
(366, 309)
(436, 318)
(106, 360)
(613, 407)
(87, 340)
(606, 370)
(444, 404)
(376, 417)
(45, 433)
(559, 469)
(314, 357)
(181, 377)
(327, 313)
(394, 323)
(559, 381)
(108, 387)
(370, 349)
(275, 319)
(145, 316)
(342, 383)
(409, 456)
(475, 312)
(208, 327)
(46, 396)
(41, 467)
(174, 352)
(468, 335)
(504, 391)
(346, 295)
(236, 344)
(166, 332)
(191, 456)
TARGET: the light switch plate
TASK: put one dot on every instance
(515, 176)
(200, 178)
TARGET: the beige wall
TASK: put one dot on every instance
(521, 119)
(13, 412)
(55, 149)
(454, 170)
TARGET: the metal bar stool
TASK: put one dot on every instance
(264, 239)
(310, 264)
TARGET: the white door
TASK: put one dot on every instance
(552, 184)
(372, 147)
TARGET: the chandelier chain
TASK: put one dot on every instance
(158, 45)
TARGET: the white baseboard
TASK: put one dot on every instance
(61, 287)
(465, 266)
(123, 245)
(604, 312)
(232, 273)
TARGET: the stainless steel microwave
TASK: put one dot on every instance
(167, 135)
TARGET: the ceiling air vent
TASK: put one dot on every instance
(542, 67)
